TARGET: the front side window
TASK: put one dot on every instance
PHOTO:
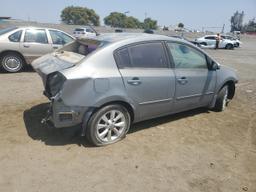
(36, 36)
(186, 57)
(15, 37)
(89, 30)
(60, 38)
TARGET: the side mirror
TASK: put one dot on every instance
(215, 66)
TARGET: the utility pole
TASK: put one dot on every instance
(223, 28)
(146, 14)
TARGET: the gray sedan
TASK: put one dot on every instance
(108, 82)
(20, 46)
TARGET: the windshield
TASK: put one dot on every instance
(6, 30)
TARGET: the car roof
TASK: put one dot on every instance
(118, 37)
(84, 27)
(210, 35)
(39, 27)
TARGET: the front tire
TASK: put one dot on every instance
(222, 99)
(229, 46)
(12, 62)
(108, 125)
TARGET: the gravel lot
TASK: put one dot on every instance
(198, 150)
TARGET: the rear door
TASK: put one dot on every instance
(210, 40)
(195, 83)
(35, 44)
(148, 80)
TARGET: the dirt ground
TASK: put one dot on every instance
(198, 150)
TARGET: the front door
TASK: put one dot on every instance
(35, 44)
(195, 83)
(148, 80)
(59, 39)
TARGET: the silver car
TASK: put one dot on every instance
(20, 46)
(113, 80)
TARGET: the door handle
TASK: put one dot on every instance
(183, 80)
(134, 81)
(26, 46)
(55, 47)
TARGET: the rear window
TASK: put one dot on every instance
(7, 30)
(84, 47)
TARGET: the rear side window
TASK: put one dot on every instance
(36, 36)
(80, 30)
(146, 55)
(210, 37)
(15, 37)
(123, 58)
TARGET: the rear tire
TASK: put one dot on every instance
(222, 99)
(12, 62)
(108, 125)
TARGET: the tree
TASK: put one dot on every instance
(132, 22)
(150, 23)
(250, 26)
(79, 16)
(237, 21)
(115, 19)
(181, 25)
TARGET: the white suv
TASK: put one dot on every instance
(84, 32)
(209, 41)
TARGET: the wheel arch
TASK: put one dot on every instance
(130, 108)
(125, 104)
(231, 88)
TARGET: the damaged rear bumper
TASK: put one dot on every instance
(61, 115)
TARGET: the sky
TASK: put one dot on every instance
(195, 14)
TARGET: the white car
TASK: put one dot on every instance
(84, 32)
(209, 41)
(19, 46)
(236, 41)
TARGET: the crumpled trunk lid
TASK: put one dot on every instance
(56, 61)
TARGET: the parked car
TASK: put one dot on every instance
(118, 30)
(186, 39)
(149, 31)
(209, 41)
(19, 46)
(236, 42)
(126, 78)
(86, 31)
